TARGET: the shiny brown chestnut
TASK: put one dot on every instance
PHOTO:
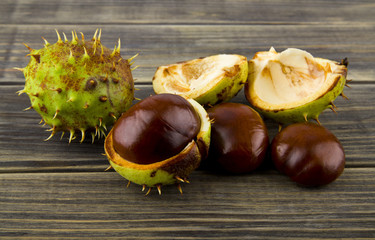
(156, 129)
(308, 153)
(159, 141)
(239, 138)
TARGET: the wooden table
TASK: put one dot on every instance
(53, 190)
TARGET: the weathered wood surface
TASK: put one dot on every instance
(54, 190)
(166, 44)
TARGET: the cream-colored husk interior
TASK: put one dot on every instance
(186, 77)
(205, 120)
(289, 78)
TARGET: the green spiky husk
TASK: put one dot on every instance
(335, 75)
(78, 85)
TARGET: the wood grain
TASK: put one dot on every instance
(177, 43)
(260, 205)
(55, 190)
(181, 12)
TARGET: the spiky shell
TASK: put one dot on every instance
(78, 85)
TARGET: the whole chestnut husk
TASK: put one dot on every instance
(239, 138)
(308, 153)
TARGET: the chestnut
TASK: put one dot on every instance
(155, 129)
(308, 153)
(160, 140)
(239, 138)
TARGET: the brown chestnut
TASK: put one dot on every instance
(159, 141)
(308, 153)
(239, 137)
(155, 129)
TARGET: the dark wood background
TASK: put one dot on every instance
(54, 190)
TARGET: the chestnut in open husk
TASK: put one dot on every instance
(239, 138)
(159, 141)
(308, 153)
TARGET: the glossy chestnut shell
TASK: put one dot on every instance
(239, 137)
(308, 153)
(155, 129)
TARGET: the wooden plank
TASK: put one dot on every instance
(184, 42)
(23, 148)
(56, 190)
(182, 12)
(260, 205)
